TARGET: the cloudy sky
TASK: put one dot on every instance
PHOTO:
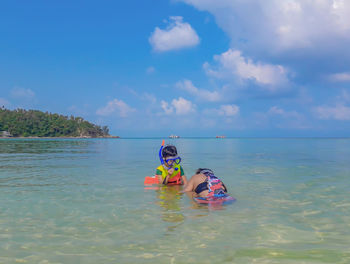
(187, 67)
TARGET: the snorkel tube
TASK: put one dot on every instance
(160, 155)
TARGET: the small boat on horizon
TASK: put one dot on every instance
(220, 136)
(174, 136)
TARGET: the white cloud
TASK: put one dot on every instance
(81, 110)
(167, 109)
(276, 25)
(231, 64)
(280, 118)
(115, 106)
(337, 112)
(22, 93)
(183, 106)
(202, 94)
(340, 77)
(344, 97)
(150, 70)
(275, 110)
(177, 35)
(178, 106)
(228, 110)
(150, 98)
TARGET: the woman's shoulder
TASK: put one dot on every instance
(198, 177)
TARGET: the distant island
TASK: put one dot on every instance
(34, 123)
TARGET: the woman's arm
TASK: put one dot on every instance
(191, 195)
(184, 179)
(189, 186)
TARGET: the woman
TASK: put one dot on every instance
(205, 184)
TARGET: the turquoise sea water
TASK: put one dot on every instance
(83, 201)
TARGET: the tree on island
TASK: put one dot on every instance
(34, 123)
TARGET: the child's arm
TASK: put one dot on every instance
(166, 179)
(159, 176)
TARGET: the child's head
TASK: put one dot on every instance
(169, 151)
(169, 155)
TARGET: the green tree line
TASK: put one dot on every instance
(34, 123)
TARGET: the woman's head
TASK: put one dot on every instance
(205, 171)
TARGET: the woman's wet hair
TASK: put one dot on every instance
(205, 171)
(209, 173)
(169, 151)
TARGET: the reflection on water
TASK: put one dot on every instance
(39, 164)
(170, 200)
(205, 207)
(40, 146)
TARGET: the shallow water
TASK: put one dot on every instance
(83, 201)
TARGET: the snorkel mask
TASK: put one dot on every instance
(160, 153)
(170, 160)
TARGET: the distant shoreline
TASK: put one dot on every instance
(212, 137)
(58, 137)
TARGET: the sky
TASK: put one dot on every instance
(151, 68)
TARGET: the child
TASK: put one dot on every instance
(170, 172)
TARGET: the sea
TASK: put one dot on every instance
(84, 201)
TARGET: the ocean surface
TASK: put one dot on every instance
(83, 201)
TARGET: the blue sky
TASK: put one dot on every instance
(186, 67)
